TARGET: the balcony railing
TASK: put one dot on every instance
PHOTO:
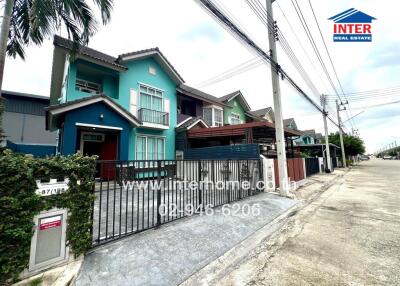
(153, 116)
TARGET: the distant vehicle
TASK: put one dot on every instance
(387, 157)
(364, 158)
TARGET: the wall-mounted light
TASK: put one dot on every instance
(101, 116)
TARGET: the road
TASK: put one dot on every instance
(350, 235)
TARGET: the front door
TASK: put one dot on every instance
(104, 145)
(109, 155)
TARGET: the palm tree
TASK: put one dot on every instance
(28, 22)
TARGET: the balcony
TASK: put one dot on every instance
(153, 118)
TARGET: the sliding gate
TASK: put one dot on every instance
(132, 196)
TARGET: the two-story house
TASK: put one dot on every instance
(115, 107)
(237, 110)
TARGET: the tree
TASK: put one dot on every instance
(28, 22)
(353, 145)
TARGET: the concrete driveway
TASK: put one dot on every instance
(170, 254)
(348, 236)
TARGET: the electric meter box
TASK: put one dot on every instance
(48, 245)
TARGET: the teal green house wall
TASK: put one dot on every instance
(138, 72)
(234, 108)
(117, 85)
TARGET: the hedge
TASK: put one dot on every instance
(19, 204)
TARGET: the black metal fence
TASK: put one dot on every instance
(312, 166)
(132, 196)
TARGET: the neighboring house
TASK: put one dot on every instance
(307, 137)
(265, 113)
(290, 123)
(237, 109)
(318, 138)
(196, 103)
(115, 107)
(24, 124)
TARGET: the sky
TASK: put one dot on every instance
(200, 49)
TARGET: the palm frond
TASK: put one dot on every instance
(105, 7)
(34, 20)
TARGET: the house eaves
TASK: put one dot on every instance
(200, 95)
(233, 95)
(88, 54)
(158, 56)
(54, 111)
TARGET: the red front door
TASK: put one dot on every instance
(109, 152)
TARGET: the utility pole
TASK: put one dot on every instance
(328, 167)
(341, 134)
(279, 131)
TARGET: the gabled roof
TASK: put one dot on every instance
(352, 16)
(198, 94)
(159, 57)
(191, 122)
(54, 111)
(261, 112)
(290, 122)
(83, 51)
(310, 132)
(318, 136)
(236, 94)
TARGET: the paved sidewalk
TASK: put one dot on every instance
(170, 254)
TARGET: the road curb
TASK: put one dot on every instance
(225, 264)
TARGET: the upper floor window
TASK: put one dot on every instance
(235, 118)
(218, 117)
(150, 98)
(87, 86)
(213, 116)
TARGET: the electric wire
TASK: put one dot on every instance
(228, 25)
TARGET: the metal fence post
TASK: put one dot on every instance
(200, 199)
(158, 223)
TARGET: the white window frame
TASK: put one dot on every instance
(235, 116)
(151, 95)
(146, 137)
(214, 122)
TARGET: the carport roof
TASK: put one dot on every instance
(236, 130)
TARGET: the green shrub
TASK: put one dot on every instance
(19, 204)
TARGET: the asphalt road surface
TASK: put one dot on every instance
(350, 235)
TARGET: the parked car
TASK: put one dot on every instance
(387, 157)
(364, 158)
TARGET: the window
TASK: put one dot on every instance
(207, 116)
(87, 86)
(150, 98)
(150, 148)
(213, 116)
(218, 117)
(235, 118)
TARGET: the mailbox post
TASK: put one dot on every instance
(48, 245)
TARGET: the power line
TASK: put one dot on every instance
(329, 55)
(312, 41)
(253, 47)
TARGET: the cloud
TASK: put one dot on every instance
(203, 30)
(388, 56)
